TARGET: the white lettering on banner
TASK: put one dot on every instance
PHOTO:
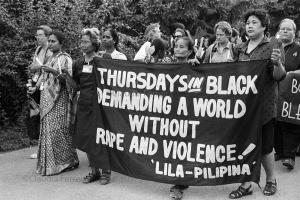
(144, 145)
(219, 108)
(240, 85)
(110, 139)
(286, 111)
(182, 108)
(222, 171)
(204, 153)
(177, 170)
(142, 80)
(163, 126)
(237, 85)
(295, 86)
(135, 101)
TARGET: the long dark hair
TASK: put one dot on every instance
(114, 35)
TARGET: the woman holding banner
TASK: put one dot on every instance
(182, 50)
(83, 80)
(55, 151)
(287, 135)
(256, 48)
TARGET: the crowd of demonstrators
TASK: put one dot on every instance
(287, 136)
(67, 87)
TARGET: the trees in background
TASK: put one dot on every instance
(19, 19)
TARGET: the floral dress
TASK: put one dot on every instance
(55, 151)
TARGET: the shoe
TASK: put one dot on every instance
(105, 178)
(289, 163)
(33, 156)
(91, 177)
(240, 192)
(270, 188)
(176, 193)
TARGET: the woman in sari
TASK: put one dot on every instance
(55, 151)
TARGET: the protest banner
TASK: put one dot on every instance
(177, 124)
(289, 99)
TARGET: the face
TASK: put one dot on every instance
(181, 49)
(221, 36)
(254, 27)
(86, 44)
(54, 44)
(41, 37)
(286, 32)
(107, 40)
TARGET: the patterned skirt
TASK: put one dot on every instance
(55, 151)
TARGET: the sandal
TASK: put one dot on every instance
(240, 192)
(176, 194)
(91, 177)
(289, 163)
(105, 178)
(270, 188)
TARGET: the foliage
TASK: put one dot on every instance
(19, 19)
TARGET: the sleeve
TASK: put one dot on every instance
(141, 54)
(67, 64)
(122, 56)
(75, 72)
(207, 54)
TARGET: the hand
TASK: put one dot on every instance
(199, 52)
(61, 77)
(33, 67)
(65, 72)
(276, 56)
(194, 61)
(31, 90)
(49, 69)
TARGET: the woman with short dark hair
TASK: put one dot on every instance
(259, 47)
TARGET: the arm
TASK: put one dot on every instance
(278, 69)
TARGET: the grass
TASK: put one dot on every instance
(14, 138)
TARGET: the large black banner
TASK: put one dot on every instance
(178, 124)
(289, 99)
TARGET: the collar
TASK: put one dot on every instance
(244, 46)
(290, 45)
(216, 46)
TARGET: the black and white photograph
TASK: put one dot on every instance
(149, 99)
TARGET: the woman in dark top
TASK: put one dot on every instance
(256, 48)
(83, 80)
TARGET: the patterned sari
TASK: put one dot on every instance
(55, 151)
